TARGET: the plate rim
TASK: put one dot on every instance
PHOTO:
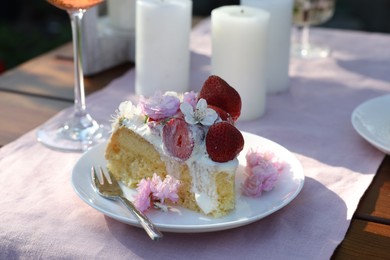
(355, 117)
(195, 228)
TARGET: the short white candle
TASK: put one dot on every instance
(122, 13)
(162, 45)
(239, 53)
(279, 32)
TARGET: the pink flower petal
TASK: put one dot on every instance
(160, 106)
(190, 98)
(142, 199)
(262, 169)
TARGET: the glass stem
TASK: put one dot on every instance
(76, 18)
(305, 37)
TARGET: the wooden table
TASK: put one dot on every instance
(36, 90)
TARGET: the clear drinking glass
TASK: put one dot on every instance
(78, 131)
(305, 14)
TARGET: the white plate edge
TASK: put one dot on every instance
(354, 117)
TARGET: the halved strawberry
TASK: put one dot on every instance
(225, 116)
(219, 93)
(177, 138)
(224, 142)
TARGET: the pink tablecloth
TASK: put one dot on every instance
(42, 217)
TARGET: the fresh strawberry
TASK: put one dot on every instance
(177, 138)
(219, 93)
(225, 116)
(224, 142)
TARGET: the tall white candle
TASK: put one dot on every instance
(279, 34)
(239, 52)
(122, 13)
(162, 45)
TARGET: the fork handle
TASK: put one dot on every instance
(145, 222)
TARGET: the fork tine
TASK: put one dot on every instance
(95, 177)
(105, 176)
(110, 175)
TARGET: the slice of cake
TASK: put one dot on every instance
(189, 136)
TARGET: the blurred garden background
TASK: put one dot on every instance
(29, 28)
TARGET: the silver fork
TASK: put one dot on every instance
(108, 187)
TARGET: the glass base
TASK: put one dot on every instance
(309, 51)
(78, 134)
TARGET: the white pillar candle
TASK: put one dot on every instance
(279, 33)
(162, 45)
(238, 54)
(122, 14)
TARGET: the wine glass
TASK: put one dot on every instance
(305, 14)
(78, 131)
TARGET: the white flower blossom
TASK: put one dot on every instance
(126, 110)
(200, 114)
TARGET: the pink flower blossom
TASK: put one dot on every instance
(160, 106)
(252, 158)
(252, 185)
(263, 170)
(190, 98)
(268, 173)
(155, 183)
(168, 189)
(258, 156)
(156, 191)
(142, 199)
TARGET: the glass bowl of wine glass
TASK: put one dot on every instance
(308, 13)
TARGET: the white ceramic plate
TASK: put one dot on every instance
(182, 220)
(371, 120)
